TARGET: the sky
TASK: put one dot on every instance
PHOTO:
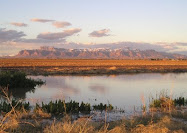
(29, 24)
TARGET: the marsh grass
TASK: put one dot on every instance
(60, 107)
(11, 119)
(146, 124)
(165, 104)
(6, 107)
(21, 120)
(180, 101)
(102, 107)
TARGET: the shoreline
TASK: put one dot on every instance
(46, 71)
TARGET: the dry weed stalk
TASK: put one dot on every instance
(144, 105)
(11, 119)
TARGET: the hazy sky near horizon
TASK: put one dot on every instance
(29, 23)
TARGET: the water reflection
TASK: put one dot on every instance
(98, 88)
(123, 91)
(20, 93)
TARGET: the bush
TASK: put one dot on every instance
(17, 80)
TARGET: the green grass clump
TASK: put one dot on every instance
(85, 107)
(102, 107)
(164, 102)
(6, 107)
(60, 107)
(180, 101)
(156, 103)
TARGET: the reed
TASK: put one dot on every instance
(102, 107)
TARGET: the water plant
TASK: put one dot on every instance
(102, 107)
(163, 103)
(167, 104)
(180, 101)
(60, 107)
(18, 105)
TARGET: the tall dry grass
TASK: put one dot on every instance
(11, 120)
(163, 125)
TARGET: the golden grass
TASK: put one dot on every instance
(66, 126)
(11, 120)
(163, 125)
(94, 66)
(86, 62)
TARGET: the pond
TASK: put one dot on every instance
(122, 91)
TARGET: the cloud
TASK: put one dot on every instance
(58, 35)
(19, 24)
(41, 20)
(61, 24)
(42, 41)
(181, 44)
(100, 33)
(10, 35)
(49, 38)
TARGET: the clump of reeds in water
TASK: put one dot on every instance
(166, 103)
(61, 107)
(180, 101)
(102, 107)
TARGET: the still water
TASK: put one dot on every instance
(124, 91)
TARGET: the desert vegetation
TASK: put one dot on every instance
(85, 66)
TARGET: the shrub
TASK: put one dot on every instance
(17, 80)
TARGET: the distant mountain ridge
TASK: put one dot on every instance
(97, 53)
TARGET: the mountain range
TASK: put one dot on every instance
(96, 53)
